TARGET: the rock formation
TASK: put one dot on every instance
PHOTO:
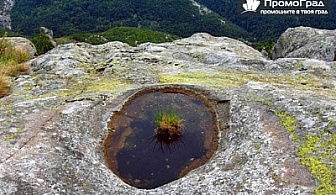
(23, 44)
(281, 137)
(5, 9)
(306, 42)
(48, 33)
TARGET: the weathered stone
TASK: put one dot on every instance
(5, 9)
(282, 117)
(306, 42)
(23, 44)
(48, 33)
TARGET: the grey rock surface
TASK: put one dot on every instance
(306, 42)
(282, 115)
(5, 9)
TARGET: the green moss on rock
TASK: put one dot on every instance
(317, 153)
(289, 122)
(226, 79)
(13, 135)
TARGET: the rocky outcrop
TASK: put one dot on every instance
(5, 9)
(280, 137)
(23, 44)
(306, 42)
(48, 33)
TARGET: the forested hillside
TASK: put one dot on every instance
(268, 27)
(130, 35)
(64, 17)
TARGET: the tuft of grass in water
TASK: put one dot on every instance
(11, 64)
(169, 129)
(168, 123)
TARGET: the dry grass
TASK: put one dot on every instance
(4, 86)
(11, 65)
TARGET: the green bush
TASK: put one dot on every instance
(265, 45)
(42, 44)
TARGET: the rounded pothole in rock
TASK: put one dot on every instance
(145, 157)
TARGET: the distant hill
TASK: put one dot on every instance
(264, 28)
(179, 17)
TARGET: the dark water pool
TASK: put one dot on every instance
(132, 152)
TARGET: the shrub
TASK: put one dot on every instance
(42, 44)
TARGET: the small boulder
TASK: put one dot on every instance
(23, 44)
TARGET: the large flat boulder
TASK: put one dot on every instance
(279, 137)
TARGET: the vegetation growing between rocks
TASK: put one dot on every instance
(265, 45)
(9, 33)
(11, 64)
(42, 43)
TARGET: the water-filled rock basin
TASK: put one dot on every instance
(141, 159)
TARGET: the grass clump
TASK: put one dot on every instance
(11, 64)
(169, 127)
(4, 86)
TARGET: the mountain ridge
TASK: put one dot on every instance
(179, 17)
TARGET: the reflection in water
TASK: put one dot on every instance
(144, 159)
(167, 142)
